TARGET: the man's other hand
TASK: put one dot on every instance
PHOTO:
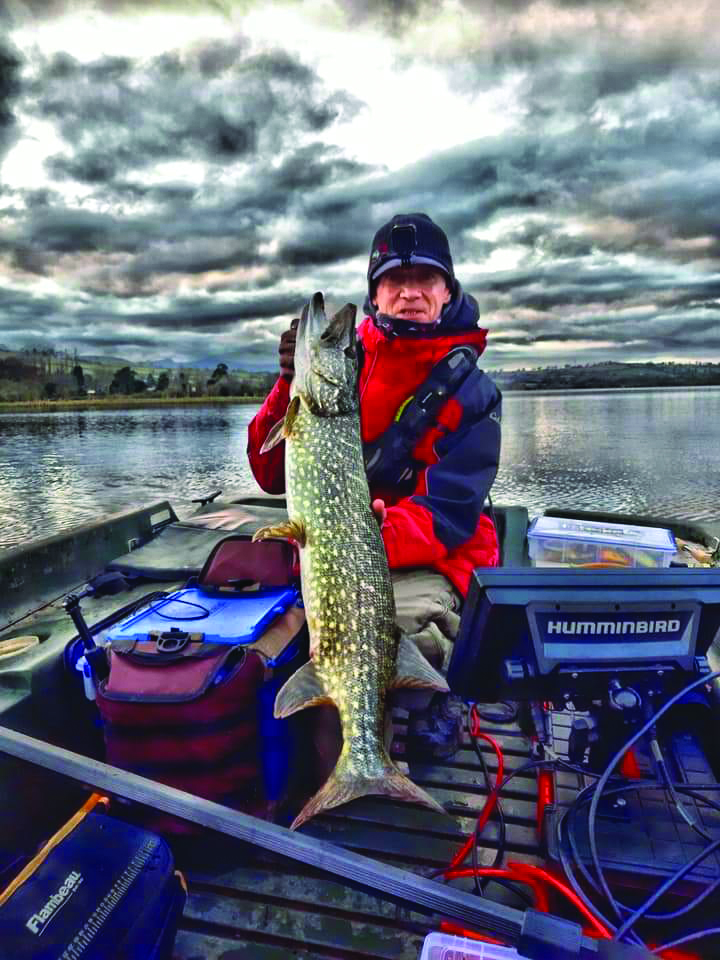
(380, 511)
(287, 351)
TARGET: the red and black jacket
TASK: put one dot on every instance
(439, 523)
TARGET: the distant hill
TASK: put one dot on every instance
(103, 361)
(98, 370)
(611, 374)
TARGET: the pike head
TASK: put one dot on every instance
(326, 360)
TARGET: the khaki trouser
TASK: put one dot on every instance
(427, 608)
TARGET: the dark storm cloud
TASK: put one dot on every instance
(576, 283)
(605, 192)
(603, 71)
(119, 118)
(24, 318)
(193, 313)
(212, 103)
(9, 87)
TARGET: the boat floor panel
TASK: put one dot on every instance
(255, 904)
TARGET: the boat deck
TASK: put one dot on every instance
(266, 908)
(244, 902)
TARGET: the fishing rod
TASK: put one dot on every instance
(535, 935)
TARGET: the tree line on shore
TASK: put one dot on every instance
(49, 375)
(42, 375)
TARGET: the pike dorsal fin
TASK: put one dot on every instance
(413, 670)
(303, 689)
(282, 428)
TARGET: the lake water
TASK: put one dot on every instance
(653, 451)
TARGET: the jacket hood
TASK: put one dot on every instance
(460, 314)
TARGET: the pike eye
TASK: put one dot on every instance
(350, 352)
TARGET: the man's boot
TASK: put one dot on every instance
(435, 733)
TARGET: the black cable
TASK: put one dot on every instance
(602, 782)
(567, 821)
(481, 884)
(501, 881)
(147, 601)
(572, 879)
(674, 796)
(687, 939)
(664, 887)
(188, 603)
(498, 811)
(513, 888)
(695, 902)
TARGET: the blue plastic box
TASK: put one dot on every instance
(220, 618)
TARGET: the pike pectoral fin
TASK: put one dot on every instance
(282, 428)
(303, 689)
(343, 785)
(414, 671)
(290, 530)
(276, 436)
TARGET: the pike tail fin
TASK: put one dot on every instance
(343, 785)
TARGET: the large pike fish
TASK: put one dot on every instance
(357, 651)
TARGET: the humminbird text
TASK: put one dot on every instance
(38, 921)
(575, 627)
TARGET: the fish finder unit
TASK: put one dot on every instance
(548, 634)
(591, 656)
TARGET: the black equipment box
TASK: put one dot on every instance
(106, 891)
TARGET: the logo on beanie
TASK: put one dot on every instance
(379, 251)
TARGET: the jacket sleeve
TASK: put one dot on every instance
(444, 510)
(269, 468)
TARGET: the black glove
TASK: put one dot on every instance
(287, 351)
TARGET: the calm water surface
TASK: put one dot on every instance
(645, 451)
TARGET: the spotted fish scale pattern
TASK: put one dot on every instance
(345, 580)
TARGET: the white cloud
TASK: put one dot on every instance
(89, 34)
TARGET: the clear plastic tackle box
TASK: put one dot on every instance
(564, 542)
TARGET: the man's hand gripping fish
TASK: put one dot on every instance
(358, 652)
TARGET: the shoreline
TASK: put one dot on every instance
(118, 403)
(134, 403)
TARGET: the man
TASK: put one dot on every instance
(428, 487)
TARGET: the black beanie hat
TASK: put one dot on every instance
(407, 239)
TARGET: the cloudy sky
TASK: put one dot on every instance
(177, 178)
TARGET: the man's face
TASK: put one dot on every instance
(417, 293)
